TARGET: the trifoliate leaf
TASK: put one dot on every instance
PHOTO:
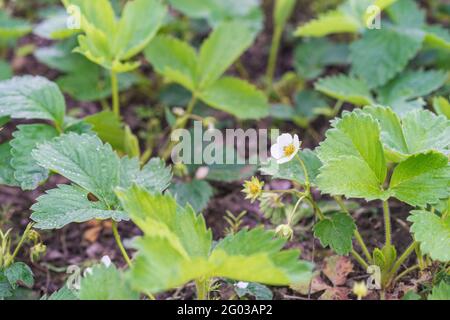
(336, 232)
(417, 132)
(410, 85)
(345, 88)
(329, 23)
(353, 157)
(31, 97)
(224, 45)
(180, 66)
(293, 170)
(197, 193)
(236, 97)
(106, 283)
(381, 54)
(19, 273)
(176, 247)
(440, 292)
(6, 170)
(421, 179)
(66, 204)
(433, 233)
(27, 172)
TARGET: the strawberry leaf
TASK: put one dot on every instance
(336, 232)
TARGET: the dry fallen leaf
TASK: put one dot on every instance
(337, 269)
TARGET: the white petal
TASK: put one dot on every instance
(106, 261)
(242, 285)
(276, 151)
(282, 160)
(284, 140)
(296, 143)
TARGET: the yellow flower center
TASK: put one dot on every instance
(289, 150)
(254, 188)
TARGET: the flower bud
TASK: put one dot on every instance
(284, 231)
(360, 290)
(37, 251)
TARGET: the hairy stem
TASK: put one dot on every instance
(120, 244)
(305, 172)
(274, 48)
(115, 93)
(387, 222)
(360, 259)
(405, 272)
(400, 261)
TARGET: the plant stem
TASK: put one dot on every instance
(387, 222)
(360, 259)
(405, 272)
(294, 210)
(19, 245)
(400, 261)
(305, 172)
(119, 243)
(275, 46)
(202, 287)
(115, 93)
(358, 236)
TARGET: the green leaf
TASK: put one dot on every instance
(106, 283)
(381, 54)
(12, 28)
(353, 157)
(345, 88)
(236, 97)
(180, 66)
(6, 71)
(197, 193)
(6, 170)
(437, 37)
(83, 159)
(62, 294)
(32, 97)
(292, 170)
(259, 291)
(440, 292)
(410, 85)
(109, 128)
(136, 29)
(329, 23)
(406, 13)
(68, 203)
(27, 172)
(428, 172)
(417, 132)
(5, 287)
(19, 273)
(313, 55)
(176, 247)
(442, 106)
(282, 12)
(224, 45)
(54, 28)
(433, 233)
(336, 232)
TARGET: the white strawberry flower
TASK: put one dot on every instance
(286, 148)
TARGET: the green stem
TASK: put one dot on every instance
(275, 46)
(400, 261)
(115, 93)
(405, 272)
(360, 259)
(305, 172)
(358, 236)
(294, 210)
(19, 245)
(387, 222)
(119, 243)
(202, 287)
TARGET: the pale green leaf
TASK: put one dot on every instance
(236, 97)
(437, 37)
(12, 28)
(421, 179)
(433, 234)
(179, 66)
(345, 88)
(337, 232)
(381, 54)
(329, 23)
(27, 172)
(66, 204)
(62, 294)
(224, 45)
(106, 283)
(32, 97)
